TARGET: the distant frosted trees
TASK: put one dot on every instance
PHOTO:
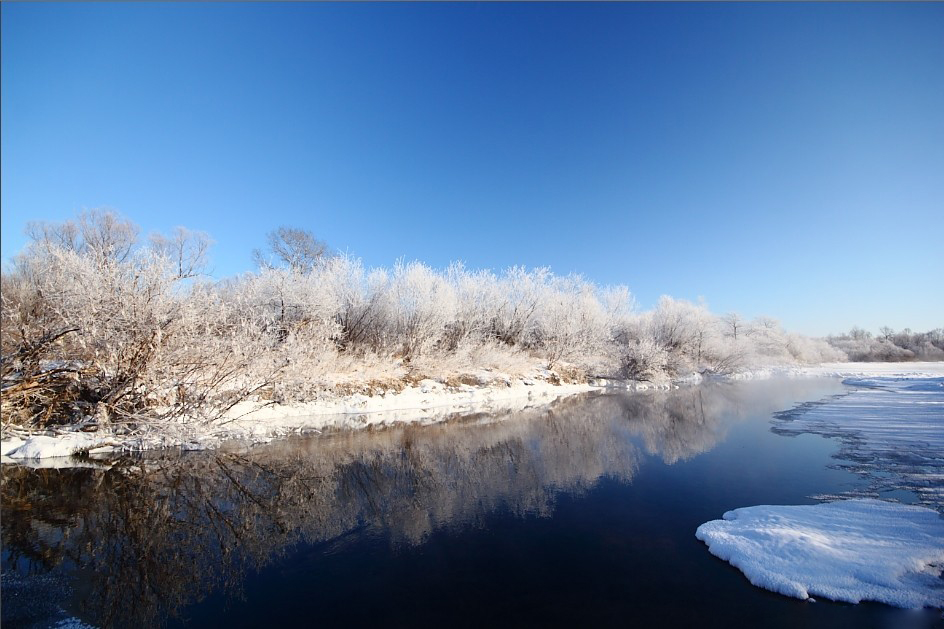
(859, 344)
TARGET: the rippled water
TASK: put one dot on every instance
(580, 514)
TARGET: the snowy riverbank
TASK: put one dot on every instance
(257, 421)
(427, 402)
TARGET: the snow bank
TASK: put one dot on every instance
(8, 446)
(841, 370)
(46, 447)
(850, 550)
(891, 431)
(412, 403)
(429, 402)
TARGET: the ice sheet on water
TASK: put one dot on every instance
(849, 550)
(891, 430)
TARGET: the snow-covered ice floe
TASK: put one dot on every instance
(849, 550)
(891, 431)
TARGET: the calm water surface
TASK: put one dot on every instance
(583, 514)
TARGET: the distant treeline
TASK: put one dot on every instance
(101, 328)
(890, 346)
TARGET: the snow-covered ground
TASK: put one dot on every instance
(844, 370)
(849, 550)
(871, 370)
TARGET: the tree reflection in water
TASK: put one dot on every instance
(150, 535)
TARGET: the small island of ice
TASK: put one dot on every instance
(849, 550)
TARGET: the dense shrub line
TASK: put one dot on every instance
(890, 346)
(100, 328)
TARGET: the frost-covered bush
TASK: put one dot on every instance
(478, 297)
(643, 359)
(691, 338)
(804, 349)
(97, 325)
(358, 296)
(571, 323)
(419, 306)
(679, 337)
(514, 314)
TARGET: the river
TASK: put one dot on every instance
(578, 514)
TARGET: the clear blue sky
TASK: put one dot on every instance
(780, 159)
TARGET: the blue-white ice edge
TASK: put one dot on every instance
(859, 549)
(847, 550)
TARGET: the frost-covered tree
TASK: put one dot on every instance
(99, 327)
(733, 324)
(291, 247)
(513, 318)
(101, 235)
(571, 321)
(186, 250)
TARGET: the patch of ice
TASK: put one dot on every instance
(891, 430)
(72, 623)
(850, 550)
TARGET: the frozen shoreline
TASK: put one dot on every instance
(427, 402)
(259, 422)
(891, 432)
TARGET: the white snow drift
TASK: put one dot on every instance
(850, 550)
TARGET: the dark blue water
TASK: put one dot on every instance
(583, 514)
